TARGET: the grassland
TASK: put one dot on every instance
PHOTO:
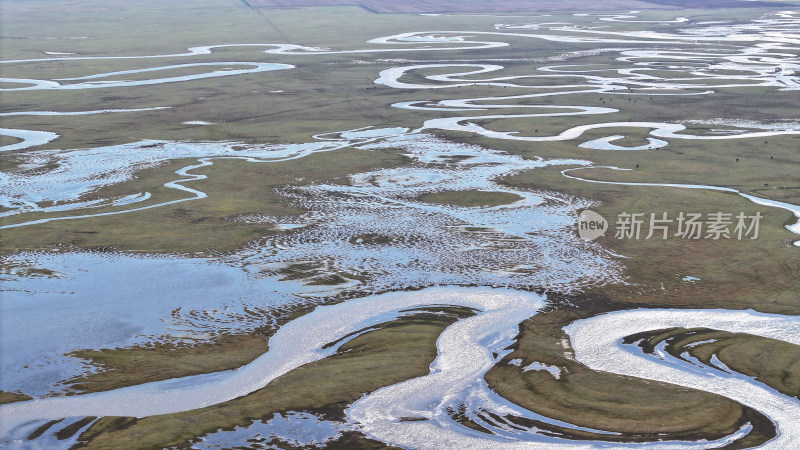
(329, 93)
(207, 225)
(399, 350)
(243, 109)
(471, 198)
(762, 274)
(770, 361)
(452, 6)
(11, 397)
(156, 361)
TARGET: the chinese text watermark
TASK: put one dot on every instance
(640, 225)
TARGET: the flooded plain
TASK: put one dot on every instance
(391, 249)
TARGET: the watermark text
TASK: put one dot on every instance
(683, 225)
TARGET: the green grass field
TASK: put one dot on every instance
(335, 92)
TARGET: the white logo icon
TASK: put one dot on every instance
(591, 225)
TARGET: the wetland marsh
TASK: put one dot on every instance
(324, 226)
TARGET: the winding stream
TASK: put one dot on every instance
(794, 209)
(525, 243)
(297, 343)
(597, 345)
(467, 349)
